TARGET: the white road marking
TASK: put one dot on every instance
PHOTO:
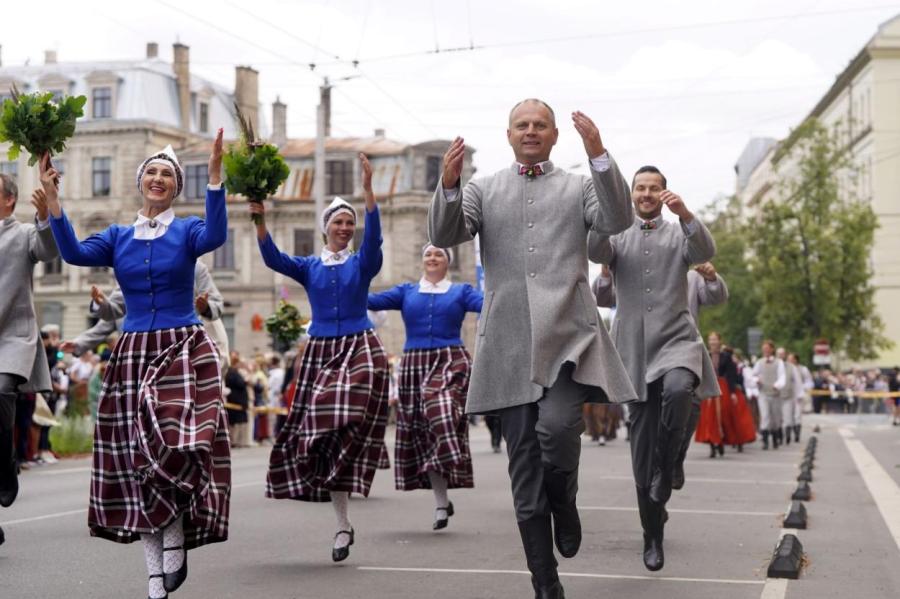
(44, 517)
(774, 588)
(63, 471)
(694, 479)
(567, 574)
(679, 511)
(882, 487)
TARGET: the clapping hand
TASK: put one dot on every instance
(707, 270)
(453, 163)
(98, 296)
(39, 201)
(202, 303)
(676, 205)
(590, 134)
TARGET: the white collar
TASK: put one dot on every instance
(165, 218)
(442, 286)
(329, 257)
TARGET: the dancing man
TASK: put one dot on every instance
(657, 338)
(541, 350)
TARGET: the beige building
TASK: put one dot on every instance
(863, 108)
(137, 107)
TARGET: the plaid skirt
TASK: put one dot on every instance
(432, 428)
(333, 439)
(161, 447)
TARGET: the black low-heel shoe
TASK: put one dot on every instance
(166, 596)
(2, 537)
(340, 554)
(440, 523)
(173, 580)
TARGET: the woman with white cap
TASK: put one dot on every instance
(161, 465)
(432, 448)
(333, 438)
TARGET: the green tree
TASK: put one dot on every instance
(810, 252)
(733, 318)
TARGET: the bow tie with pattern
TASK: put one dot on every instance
(531, 171)
(648, 225)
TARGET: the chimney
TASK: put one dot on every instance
(246, 93)
(181, 64)
(152, 50)
(379, 132)
(279, 123)
(49, 56)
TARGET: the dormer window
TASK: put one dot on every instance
(204, 117)
(101, 102)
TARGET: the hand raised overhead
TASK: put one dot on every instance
(453, 163)
(590, 134)
(674, 203)
(215, 160)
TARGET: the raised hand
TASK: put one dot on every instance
(39, 201)
(676, 205)
(201, 302)
(453, 163)
(215, 160)
(590, 134)
(707, 270)
(258, 214)
(366, 168)
(98, 296)
(49, 179)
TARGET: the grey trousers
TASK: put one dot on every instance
(658, 425)
(546, 433)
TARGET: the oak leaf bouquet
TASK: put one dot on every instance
(38, 123)
(286, 324)
(253, 168)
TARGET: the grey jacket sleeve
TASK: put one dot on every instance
(94, 336)
(699, 246)
(453, 222)
(605, 290)
(203, 283)
(41, 244)
(113, 308)
(601, 249)
(711, 293)
(607, 201)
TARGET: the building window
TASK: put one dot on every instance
(54, 267)
(432, 171)
(57, 95)
(338, 177)
(228, 323)
(195, 181)
(101, 102)
(101, 176)
(304, 242)
(223, 257)
(204, 117)
(52, 313)
(9, 168)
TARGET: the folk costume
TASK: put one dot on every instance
(661, 348)
(541, 350)
(333, 439)
(161, 464)
(771, 377)
(23, 361)
(726, 419)
(432, 447)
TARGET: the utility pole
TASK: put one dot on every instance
(323, 130)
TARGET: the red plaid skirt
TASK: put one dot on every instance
(161, 440)
(333, 439)
(432, 428)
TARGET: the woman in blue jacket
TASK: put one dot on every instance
(161, 467)
(333, 438)
(432, 449)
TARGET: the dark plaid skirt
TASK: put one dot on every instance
(161, 441)
(432, 428)
(333, 439)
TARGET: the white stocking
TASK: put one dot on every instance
(153, 554)
(173, 536)
(439, 486)
(340, 501)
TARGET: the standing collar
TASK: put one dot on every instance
(329, 257)
(165, 217)
(442, 286)
(658, 221)
(546, 166)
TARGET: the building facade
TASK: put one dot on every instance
(861, 107)
(137, 107)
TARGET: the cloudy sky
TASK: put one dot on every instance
(680, 85)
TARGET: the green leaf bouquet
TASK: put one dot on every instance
(38, 124)
(253, 168)
(286, 324)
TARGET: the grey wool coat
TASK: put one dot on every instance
(704, 293)
(653, 330)
(539, 312)
(21, 351)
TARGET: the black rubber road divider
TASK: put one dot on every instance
(795, 516)
(803, 492)
(787, 559)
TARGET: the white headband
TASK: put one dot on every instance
(338, 206)
(446, 252)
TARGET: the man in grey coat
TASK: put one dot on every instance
(541, 350)
(657, 339)
(23, 361)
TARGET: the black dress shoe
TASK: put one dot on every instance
(660, 487)
(678, 477)
(2, 537)
(173, 580)
(654, 559)
(561, 488)
(712, 450)
(548, 591)
(342, 553)
(166, 596)
(440, 523)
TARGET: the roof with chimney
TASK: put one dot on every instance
(144, 90)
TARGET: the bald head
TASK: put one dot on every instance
(533, 101)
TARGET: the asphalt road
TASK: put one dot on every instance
(724, 525)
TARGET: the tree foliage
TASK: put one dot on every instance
(811, 250)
